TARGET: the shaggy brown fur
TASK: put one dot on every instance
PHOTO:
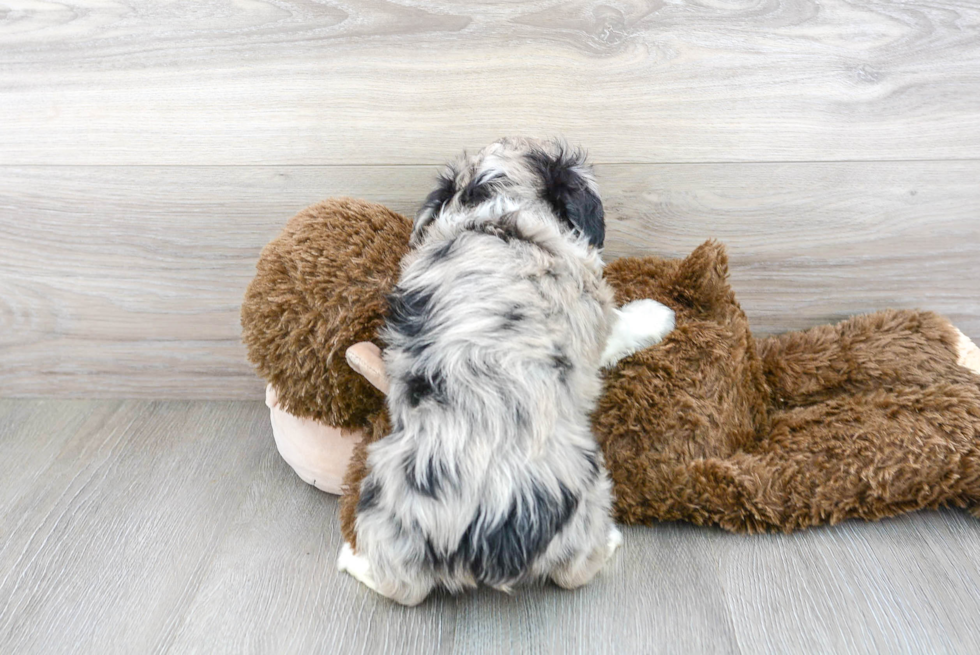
(319, 289)
(356, 470)
(865, 419)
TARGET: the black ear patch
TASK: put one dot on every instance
(434, 202)
(427, 479)
(479, 189)
(567, 190)
(443, 193)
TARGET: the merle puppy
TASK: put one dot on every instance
(496, 334)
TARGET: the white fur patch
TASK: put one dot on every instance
(614, 541)
(969, 354)
(639, 324)
(358, 567)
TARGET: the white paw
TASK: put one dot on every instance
(639, 324)
(613, 541)
(356, 565)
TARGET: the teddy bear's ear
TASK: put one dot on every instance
(701, 279)
(434, 203)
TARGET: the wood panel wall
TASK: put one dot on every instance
(148, 151)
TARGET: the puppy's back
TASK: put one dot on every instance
(493, 344)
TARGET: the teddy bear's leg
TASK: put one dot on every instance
(743, 493)
(638, 325)
(888, 347)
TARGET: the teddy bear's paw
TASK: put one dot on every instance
(639, 324)
(357, 566)
(968, 354)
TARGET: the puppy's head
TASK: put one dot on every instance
(519, 171)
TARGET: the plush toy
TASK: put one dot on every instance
(875, 416)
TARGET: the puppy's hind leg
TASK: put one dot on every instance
(357, 566)
(404, 593)
(581, 569)
(408, 594)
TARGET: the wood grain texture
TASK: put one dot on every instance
(408, 82)
(174, 527)
(126, 281)
(812, 244)
(107, 540)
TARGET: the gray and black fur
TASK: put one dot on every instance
(495, 332)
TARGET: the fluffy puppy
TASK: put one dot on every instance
(496, 333)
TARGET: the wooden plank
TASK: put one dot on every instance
(811, 244)
(379, 82)
(101, 550)
(296, 601)
(175, 527)
(273, 585)
(859, 588)
(31, 437)
(126, 281)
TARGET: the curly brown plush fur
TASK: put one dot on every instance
(865, 419)
(319, 289)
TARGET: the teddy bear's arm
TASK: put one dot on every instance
(365, 358)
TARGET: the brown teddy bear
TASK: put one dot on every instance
(873, 417)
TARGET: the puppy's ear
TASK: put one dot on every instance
(433, 204)
(569, 187)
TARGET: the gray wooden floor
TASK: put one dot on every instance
(147, 527)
